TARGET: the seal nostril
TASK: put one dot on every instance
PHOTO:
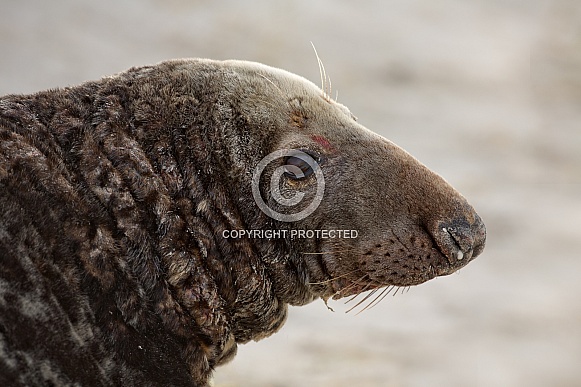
(456, 247)
(460, 240)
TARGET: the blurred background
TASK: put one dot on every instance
(487, 93)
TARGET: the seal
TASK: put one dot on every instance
(127, 205)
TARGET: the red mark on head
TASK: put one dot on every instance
(322, 141)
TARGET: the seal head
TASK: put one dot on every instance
(411, 224)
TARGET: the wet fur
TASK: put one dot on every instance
(113, 198)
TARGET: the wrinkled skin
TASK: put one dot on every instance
(114, 199)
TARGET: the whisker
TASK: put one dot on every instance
(330, 92)
(352, 298)
(355, 283)
(380, 298)
(370, 305)
(272, 83)
(356, 295)
(363, 300)
(324, 76)
(322, 73)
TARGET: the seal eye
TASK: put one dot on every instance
(296, 168)
(301, 165)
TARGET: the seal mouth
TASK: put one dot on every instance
(398, 257)
(401, 259)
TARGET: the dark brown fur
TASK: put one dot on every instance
(114, 195)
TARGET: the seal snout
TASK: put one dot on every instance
(460, 240)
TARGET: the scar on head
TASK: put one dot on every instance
(298, 119)
(321, 140)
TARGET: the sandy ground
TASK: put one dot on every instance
(486, 92)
